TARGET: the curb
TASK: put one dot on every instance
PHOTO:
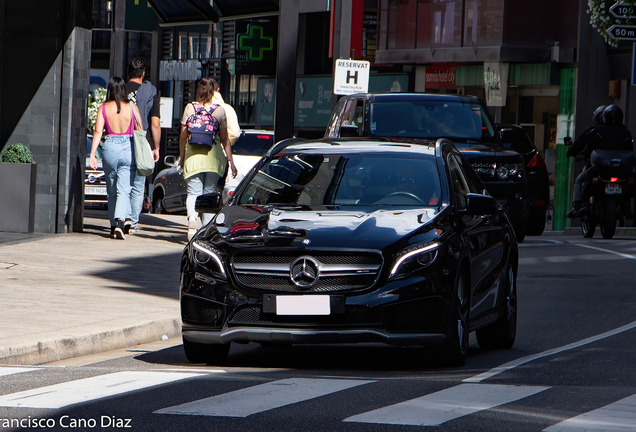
(64, 347)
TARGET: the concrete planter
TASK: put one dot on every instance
(17, 196)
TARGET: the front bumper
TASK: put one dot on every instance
(302, 336)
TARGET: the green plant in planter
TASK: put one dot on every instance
(17, 153)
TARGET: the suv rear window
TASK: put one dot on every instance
(253, 144)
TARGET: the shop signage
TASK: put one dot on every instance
(496, 83)
(440, 77)
(255, 49)
(351, 76)
(175, 70)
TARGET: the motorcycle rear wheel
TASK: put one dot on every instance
(608, 218)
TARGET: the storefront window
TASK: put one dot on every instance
(401, 24)
(406, 24)
(438, 23)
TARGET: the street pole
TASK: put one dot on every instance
(118, 39)
(286, 70)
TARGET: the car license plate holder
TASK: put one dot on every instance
(303, 305)
(95, 190)
(613, 189)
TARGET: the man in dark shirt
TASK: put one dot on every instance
(146, 97)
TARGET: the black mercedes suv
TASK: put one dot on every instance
(340, 241)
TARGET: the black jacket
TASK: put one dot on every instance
(604, 137)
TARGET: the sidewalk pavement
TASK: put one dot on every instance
(68, 295)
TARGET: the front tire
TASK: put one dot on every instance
(502, 334)
(205, 353)
(587, 227)
(456, 351)
(157, 205)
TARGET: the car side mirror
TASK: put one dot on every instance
(208, 203)
(170, 160)
(349, 131)
(507, 135)
(477, 204)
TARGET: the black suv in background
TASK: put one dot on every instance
(464, 120)
(517, 139)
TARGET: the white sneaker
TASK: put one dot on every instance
(192, 228)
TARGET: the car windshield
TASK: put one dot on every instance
(345, 179)
(253, 144)
(430, 119)
(89, 144)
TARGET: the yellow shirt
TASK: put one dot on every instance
(200, 158)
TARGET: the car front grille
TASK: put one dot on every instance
(335, 271)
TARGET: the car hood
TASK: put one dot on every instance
(487, 153)
(360, 227)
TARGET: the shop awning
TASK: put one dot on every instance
(175, 12)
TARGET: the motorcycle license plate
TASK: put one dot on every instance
(612, 189)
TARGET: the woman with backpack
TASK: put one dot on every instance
(203, 162)
(118, 115)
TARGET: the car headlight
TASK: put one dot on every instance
(209, 258)
(411, 260)
(506, 170)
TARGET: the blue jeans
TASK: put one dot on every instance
(119, 161)
(199, 184)
(136, 197)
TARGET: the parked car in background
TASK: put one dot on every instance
(169, 191)
(94, 180)
(405, 117)
(516, 138)
(334, 241)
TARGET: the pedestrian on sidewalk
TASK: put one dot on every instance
(142, 93)
(233, 131)
(203, 164)
(117, 115)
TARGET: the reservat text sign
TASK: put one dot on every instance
(351, 76)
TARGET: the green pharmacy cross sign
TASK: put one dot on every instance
(254, 42)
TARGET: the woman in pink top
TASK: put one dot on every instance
(118, 116)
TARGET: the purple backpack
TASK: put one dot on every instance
(202, 126)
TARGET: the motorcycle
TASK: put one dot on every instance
(610, 191)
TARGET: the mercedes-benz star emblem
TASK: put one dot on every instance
(304, 272)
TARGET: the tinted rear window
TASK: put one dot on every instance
(253, 144)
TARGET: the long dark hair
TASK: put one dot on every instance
(116, 91)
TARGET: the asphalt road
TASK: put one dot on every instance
(571, 369)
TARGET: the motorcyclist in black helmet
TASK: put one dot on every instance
(611, 135)
(577, 147)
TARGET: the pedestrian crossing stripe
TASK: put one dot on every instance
(619, 416)
(88, 389)
(263, 397)
(4, 371)
(445, 405)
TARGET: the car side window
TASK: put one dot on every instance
(458, 183)
(472, 179)
(336, 119)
